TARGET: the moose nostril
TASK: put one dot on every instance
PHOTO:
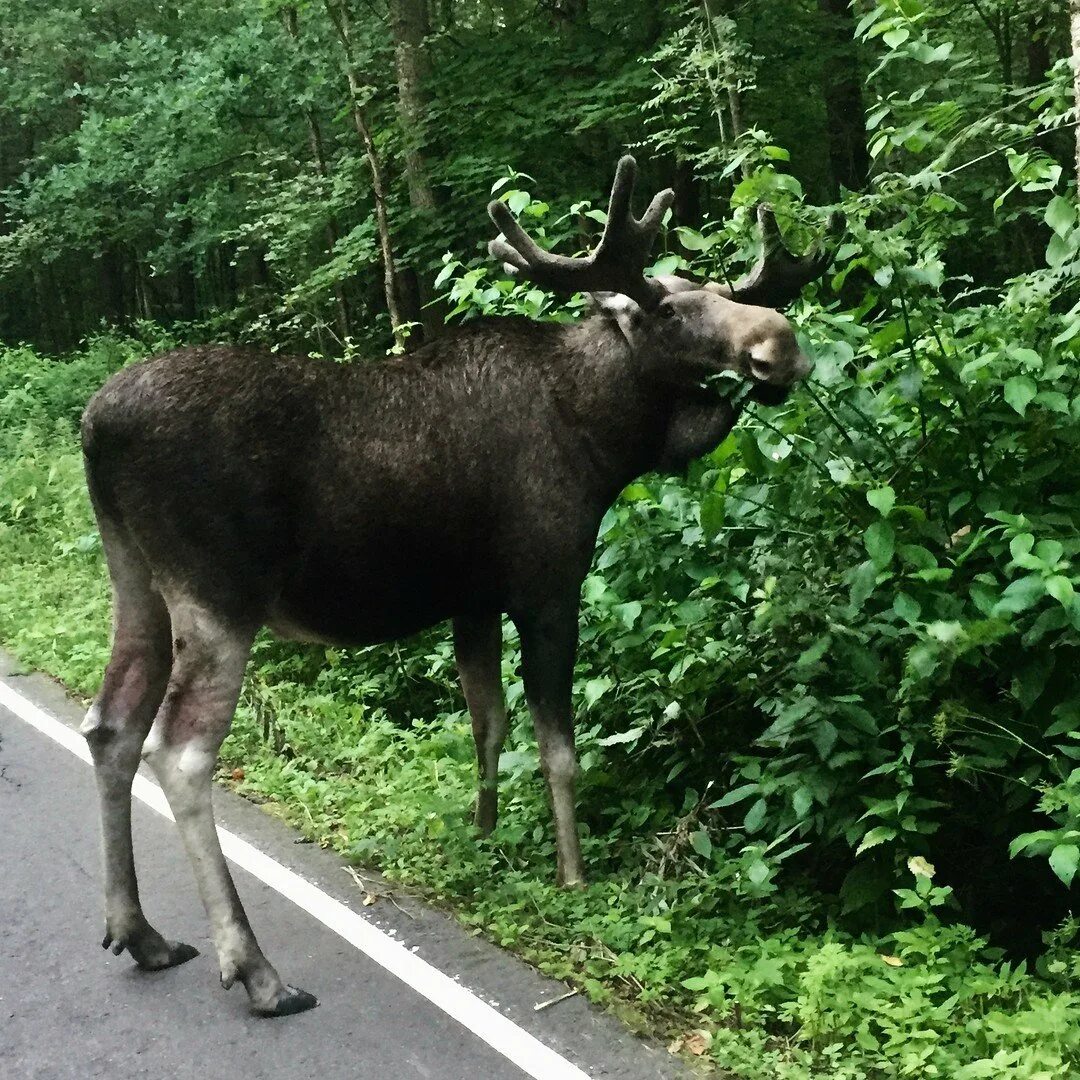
(760, 369)
(761, 365)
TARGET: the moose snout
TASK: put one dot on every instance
(778, 363)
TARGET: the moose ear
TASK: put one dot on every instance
(622, 310)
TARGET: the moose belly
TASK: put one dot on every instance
(338, 600)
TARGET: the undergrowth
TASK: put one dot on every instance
(729, 949)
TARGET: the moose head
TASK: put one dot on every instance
(680, 331)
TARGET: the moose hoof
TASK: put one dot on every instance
(149, 950)
(289, 1001)
(178, 953)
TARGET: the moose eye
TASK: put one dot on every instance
(667, 311)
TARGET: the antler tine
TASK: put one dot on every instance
(616, 265)
(778, 276)
(622, 193)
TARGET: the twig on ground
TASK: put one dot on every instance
(541, 1005)
(370, 895)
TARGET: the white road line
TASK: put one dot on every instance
(514, 1043)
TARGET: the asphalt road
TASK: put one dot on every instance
(68, 1009)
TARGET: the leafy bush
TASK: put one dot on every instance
(837, 654)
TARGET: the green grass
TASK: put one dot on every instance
(369, 753)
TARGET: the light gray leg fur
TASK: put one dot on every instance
(548, 648)
(182, 748)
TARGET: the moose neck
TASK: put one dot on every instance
(630, 422)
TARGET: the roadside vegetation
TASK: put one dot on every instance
(829, 718)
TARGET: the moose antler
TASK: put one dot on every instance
(778, 276)
(619, 261)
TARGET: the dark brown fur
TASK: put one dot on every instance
(359, 503)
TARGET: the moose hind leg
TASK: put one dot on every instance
(115, 728)
(478, 647)
(182, 748)
(548, 648)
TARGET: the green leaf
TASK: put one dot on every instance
(630, 736)
(814, 652)
(667, 265)
(906, 607)
(694, 241)
(755, 816)
(628, 613)
(1029, 840)
(863, 580)
(802, 800)
(447, 272)
(518, 200)
(596, 688)
(701, 842)
(711, 514)
(758, 872)
(1027, 358)
(1063, 861)
(882, 499)
(1060, 249)
(735, 795)
(866, 882)
(1060, 214)
(918, 556)
(1053, 400)
(824, 738)
(1020, 595)
(880, 834)
(1021, 545)
(1061, 589)
(1030, 681)
(880, 541)
(1019, 390)
(1049, 552)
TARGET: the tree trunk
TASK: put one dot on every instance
(318, 154)
(229, 283)
(687, 194)
(340, 18)
(187, 286)
(1074, 12)
(65, 331)
(735, 110)
(49, 334)
(1038, 48)
(187, 289)
(849, 158)
(410, 25)
(111, 283)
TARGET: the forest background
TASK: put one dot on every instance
(828, 707)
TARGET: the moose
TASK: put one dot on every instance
(352, 504)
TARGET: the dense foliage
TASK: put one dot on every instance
(828, 713)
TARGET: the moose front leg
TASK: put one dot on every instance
(548, 648)
(478, 647)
